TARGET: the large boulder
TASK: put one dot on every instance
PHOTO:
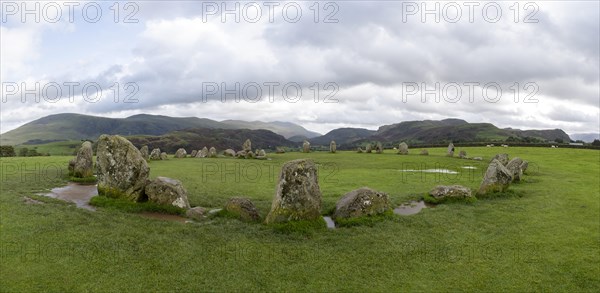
(203, 153)
(306, 147)
(443, 193)
(84, 164)
(298, 196)
(155, 154)
(462, 154)
(359, 150)
(194, 153)
(503, 158)
(362, 202)
(332, 147)
(229, 153)
(514, 166)
(180, 153)
(403, 149)
(145, 153)
(196, 213)
(262, 155)
(167, 191)
(122, 171)
(212, 152)
(496, 179)
(280, 150)
(164, 156)
(247, 146)
(242, 208)
(368, 148)
(378, 148)
(450, 151)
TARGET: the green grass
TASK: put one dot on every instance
(59, 148)
(541, 235)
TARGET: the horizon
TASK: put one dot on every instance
(337, 64)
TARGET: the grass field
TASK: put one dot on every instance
(544, 235)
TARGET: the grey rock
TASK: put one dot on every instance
(298, 196)
(362, 202)
(496, 179)
(503, 158)
(164, 156)
(462, 154)
(122, 171)
(167, 191)
(84, 164)
(196, 213)
(155, 154)
(242, 208)
(306, 147)
(450, 151)
(446, 192)
(247, 146)
(212, 152)
(403, 149)
(514, 166)
(180, 153)
(229, 153)
(194, 153)
(145, 153)
(332, 147)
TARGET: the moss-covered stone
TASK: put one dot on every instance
(242, 209)
(298, 196)
(362, 202)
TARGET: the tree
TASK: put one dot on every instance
(596, 142)
(558, 140)
(7, 151)
(23, 152)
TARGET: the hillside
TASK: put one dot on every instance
(287, 129)
(67, 126)
(221, 139)
(342, 136)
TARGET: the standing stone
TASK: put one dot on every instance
(212, 153)
(514, 166)
(279, 150)
(403, 149)
(167, 191)
(180, 153)
(378, 148)
(242, 208)
(155, 154)
(306, 147)
(332, 147)
(84, 163)
(145, 154)
(443, 193)
(229, 153)
(497, 178)
(503, 158)
(241, 154)
(424, 152)
(368, 149)
(359, 150)
(72, 166)
(262, 155)
(298, 196)
(450, 152)
(462, 154)
(122, 172)
(203, 153)
(164, 156)
(194, 153)
(362, 202)
(247, 146)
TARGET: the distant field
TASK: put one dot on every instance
(544, 235)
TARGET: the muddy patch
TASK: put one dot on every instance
(330, 222)
(410, 208)
(164, 217)
(80, 194)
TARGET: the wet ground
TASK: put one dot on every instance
(80, 194)
(410, 208)
(330, 222)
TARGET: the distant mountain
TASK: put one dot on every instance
(436, 132)
(76, 127)
(586, 137)
(221, 139)
(342, 136)
(287, 129)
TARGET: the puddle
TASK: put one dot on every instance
(469, 167)
(443, 171)
(164, 217)
(330, 222)
(411, 208)
(80, 194)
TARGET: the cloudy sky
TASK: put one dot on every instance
(323, 65)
